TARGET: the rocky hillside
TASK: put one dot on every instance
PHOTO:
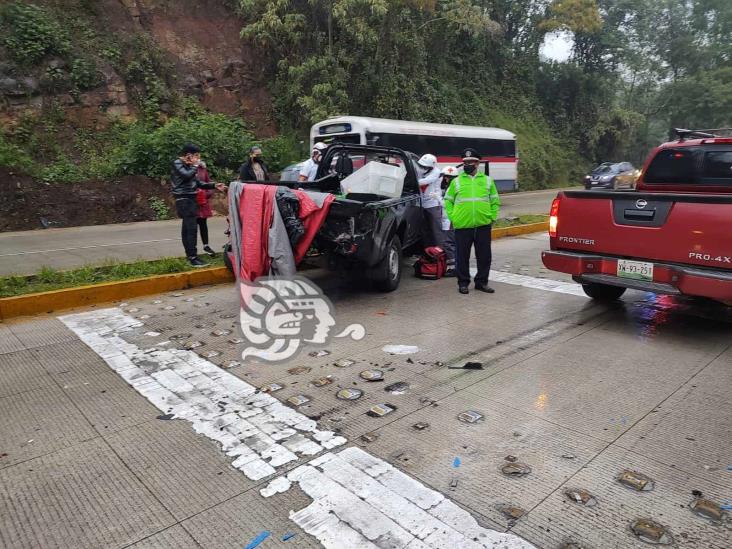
(102, 59)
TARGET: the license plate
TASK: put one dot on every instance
(635, 269)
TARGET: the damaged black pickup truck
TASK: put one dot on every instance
(368, 232)
(365, 233)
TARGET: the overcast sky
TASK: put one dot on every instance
(557, 46)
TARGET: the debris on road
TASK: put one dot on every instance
(456, 462)
(288, 536)
(636, 481)
(420, 426)
(193, 345)
(297, 370)
(349, 394)
(453, 484)
(398, 388)
(165, 417)
(220, 333)
(380, 410)
(298, 400)
(322, 381)
(511, 459)
(400, 349)
(270, 388)
(466, 366)
(372, 375)
(651, 532)
(344, 363)
(470, 416)
(581, 496)
(511, 512)
(515, 469)
(318, 354)
(569, 456)
(707, 509)
(369, 437)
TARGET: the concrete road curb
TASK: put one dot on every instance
(46, 302)
(518, 230)
(69, 298)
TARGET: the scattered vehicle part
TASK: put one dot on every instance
(636, 481)
(270, 388)
(372, 375)
(515, 469)
(652, 532)
(297, 370)
(322, 381)
(707, 509)
(398, 388)
(344, 363)
(369, 437)
(420, 426)
(318, 354)
(511, 512)
(298, 400)
(349, 394)
(381, 410)
(470, 416)
(581, 496)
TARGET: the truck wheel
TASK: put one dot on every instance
(227, 258)
(603, 292)
(389, 271)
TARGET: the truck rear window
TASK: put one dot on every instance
(692, 166)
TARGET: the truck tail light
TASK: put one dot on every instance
(554, 218)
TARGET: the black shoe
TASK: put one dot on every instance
(209, 251)
(463, 290)
(486, 289)
(196, 262)
(450, 273)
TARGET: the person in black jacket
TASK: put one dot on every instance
(184, 185)
(254, 169)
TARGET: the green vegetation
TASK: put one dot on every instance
(519, 220)
(159, 207)
(48, 279)
(637, 69)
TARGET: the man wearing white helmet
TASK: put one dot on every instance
(429, 185)
(310, 167)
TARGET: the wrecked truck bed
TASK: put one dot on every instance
(362, 232)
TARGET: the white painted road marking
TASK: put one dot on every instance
(255, 429)
(546, 284)
(359, 500)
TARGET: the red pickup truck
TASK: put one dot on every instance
(673, 235)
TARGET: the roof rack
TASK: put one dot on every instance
(684, 134)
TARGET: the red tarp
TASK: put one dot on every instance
(256, 207)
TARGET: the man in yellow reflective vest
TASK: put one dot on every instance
(472, 204)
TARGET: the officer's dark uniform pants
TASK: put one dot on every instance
(187, 210)
(465, 239)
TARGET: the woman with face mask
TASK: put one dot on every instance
(472, 204)
(254, 169)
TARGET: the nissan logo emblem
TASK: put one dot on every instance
(640, 204)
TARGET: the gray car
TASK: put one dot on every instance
(609, 175)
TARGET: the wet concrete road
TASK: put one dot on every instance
(577, 391)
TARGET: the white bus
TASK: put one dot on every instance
(446, 141)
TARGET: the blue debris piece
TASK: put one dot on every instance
(288, 535)
(256, 542)
(456, 462)
(726, 507)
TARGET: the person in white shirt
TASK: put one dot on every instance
(429, 185)
(309, 169)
